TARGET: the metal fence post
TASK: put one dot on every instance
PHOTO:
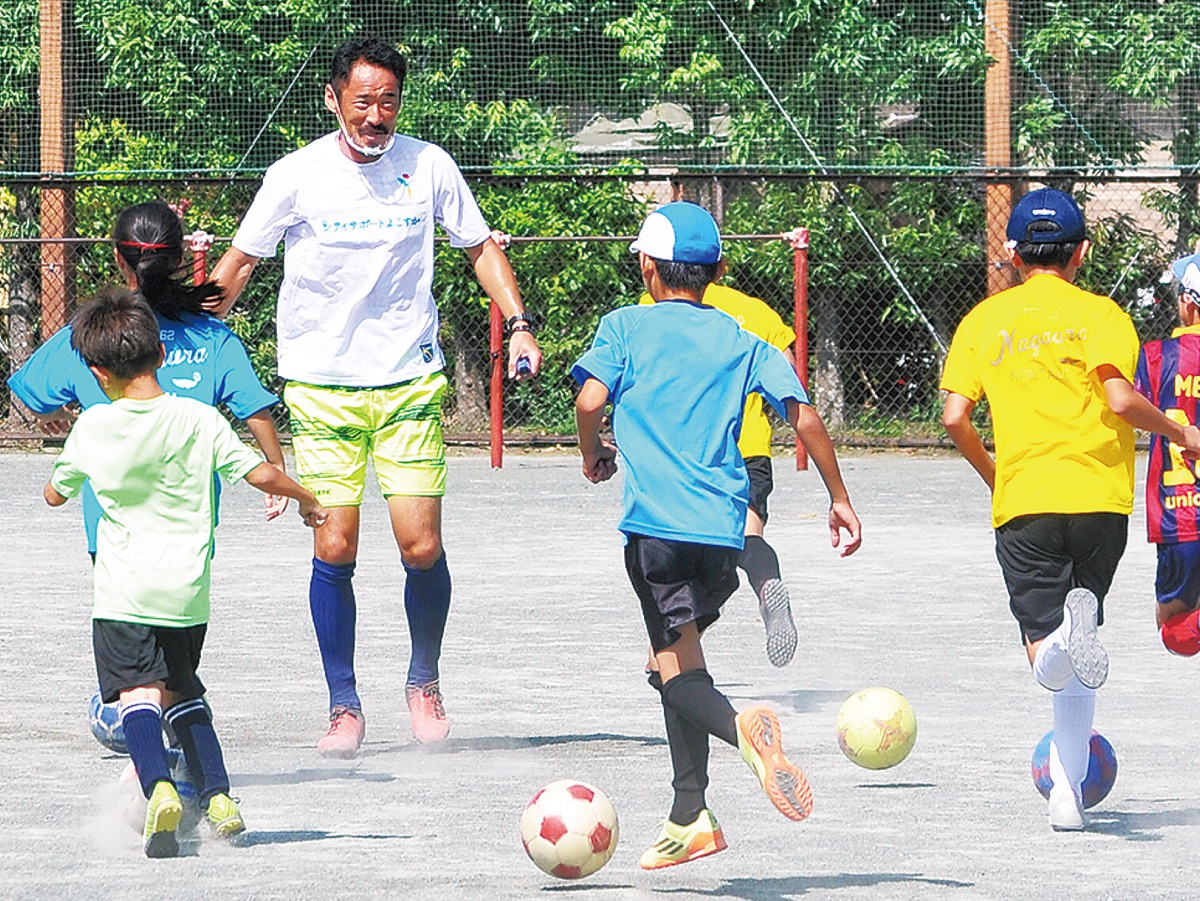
(798, 239)
(496, 404)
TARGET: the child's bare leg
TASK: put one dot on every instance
(684, 655)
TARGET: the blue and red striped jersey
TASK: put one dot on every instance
(1168, 375)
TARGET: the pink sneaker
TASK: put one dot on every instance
(429, 721)
(345, 734)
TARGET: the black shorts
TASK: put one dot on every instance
(679, 582)
(130, 655)
(1044, 555)
(762, 482)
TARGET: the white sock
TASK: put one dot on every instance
(1074, 710)
(1051, 665)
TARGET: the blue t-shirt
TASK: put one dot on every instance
(204, 361)
(677, 375)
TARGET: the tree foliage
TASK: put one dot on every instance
(844, 90)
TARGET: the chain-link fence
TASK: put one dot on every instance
(893, 264)
(896, 131)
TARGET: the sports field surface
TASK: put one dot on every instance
(542, 672)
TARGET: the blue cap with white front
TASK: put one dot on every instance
(1187, 270)
(1047, 216)
(680, 232)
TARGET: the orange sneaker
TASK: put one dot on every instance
(429, 723)
(679, 844)
(344, 736)
(784, 783)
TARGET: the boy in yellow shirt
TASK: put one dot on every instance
(1056, 364)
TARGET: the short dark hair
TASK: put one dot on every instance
(1053, 254)
(368, 50)
(149, 238)
(692, 277)
(117, 331)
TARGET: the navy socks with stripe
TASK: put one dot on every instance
(194, 729)
(142, 723)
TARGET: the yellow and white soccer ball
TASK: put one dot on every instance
(876, 728)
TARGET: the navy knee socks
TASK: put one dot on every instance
(427, 604)
(331, 600)
(142, 722)
(194, 728)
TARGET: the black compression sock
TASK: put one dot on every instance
(759, 561)
(694, 697)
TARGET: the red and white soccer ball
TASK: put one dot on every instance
(569, 829)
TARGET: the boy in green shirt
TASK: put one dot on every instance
(150, 457)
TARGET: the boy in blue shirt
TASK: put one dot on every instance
(677, 373)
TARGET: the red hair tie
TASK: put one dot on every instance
(141, 246)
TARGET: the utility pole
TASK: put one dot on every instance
(57, 156)
(997, 103)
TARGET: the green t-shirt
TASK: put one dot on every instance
(151, 464)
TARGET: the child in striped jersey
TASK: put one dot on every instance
(1168, 375)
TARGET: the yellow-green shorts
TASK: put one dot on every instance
(335, 430)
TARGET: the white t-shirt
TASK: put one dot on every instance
(356, 307)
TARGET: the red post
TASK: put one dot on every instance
(496, 406)
(199, 242)
(798, 238)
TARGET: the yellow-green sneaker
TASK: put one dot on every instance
(224, 816)
(679, 844)
(163, 813)
(782, 780)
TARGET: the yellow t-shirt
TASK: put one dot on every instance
(759, 319)
(1034, 350)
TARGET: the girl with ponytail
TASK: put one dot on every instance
(204, 359)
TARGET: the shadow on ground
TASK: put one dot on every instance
(299, 777)
(1142, 826)
(514, 743)
(797, 886)
(294, 836)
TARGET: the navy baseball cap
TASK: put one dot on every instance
(680, 232)
(1187, 270)
(1047, 216)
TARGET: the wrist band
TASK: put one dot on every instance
(514, 323)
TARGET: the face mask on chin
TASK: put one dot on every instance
(368, 151)
(365, 151)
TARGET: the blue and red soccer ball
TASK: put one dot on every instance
(1101, 771)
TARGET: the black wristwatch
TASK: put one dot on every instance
(514, 323)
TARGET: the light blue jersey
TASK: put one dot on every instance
(677, 375)
(204, 361)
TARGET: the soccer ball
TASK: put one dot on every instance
(876, 728)
(1101, 771)
(569, 829)
(105, 722)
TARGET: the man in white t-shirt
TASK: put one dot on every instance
(358, 345)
